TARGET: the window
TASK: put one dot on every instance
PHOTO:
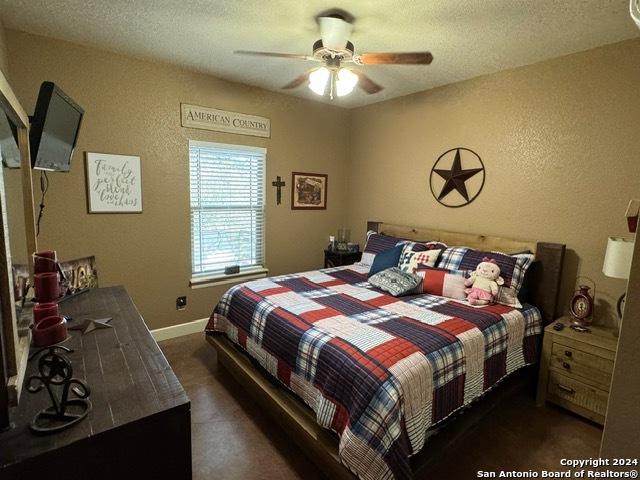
(227, 207)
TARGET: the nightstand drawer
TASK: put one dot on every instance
(587, 365)
(567, 389)
(576, 368)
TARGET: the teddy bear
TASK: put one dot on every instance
(483, 282)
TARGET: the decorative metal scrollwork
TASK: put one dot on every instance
(56, 375)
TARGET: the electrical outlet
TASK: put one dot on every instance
(181, 303)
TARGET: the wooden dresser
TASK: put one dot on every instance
(575, 371)
(140, 422)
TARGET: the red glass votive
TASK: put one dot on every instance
(47, 287)
(44, 261)
(50, 330)
(44, 310)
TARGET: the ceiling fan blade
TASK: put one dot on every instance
(391, 58)
(366, 84)
(296, 82)
(334, 32)
(275, 54)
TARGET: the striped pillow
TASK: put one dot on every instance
(512, 267)
(441, 282)
(377, 243)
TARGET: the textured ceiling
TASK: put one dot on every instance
(467, 38)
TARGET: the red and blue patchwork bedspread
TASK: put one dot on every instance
(377, 370)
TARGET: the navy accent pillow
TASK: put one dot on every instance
(387, 259)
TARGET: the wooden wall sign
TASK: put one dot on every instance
(207, 118)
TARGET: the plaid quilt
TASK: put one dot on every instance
(377, 370)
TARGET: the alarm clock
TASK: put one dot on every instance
(581, 306)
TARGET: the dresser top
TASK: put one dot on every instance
(599, 336)
(128, 375)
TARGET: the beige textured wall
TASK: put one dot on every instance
(133, 107)
(620, 438)
(4, 57)
(559, 141)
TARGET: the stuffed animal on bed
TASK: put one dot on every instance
(483, 282)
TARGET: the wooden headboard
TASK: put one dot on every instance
(543, 277)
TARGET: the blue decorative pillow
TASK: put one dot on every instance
(387, 259)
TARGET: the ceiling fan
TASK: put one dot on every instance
(333, 51)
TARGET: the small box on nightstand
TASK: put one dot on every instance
(576, 368)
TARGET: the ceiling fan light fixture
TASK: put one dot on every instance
(318, 80)
(346, 82)
(335, 32)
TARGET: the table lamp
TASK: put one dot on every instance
(617, 262)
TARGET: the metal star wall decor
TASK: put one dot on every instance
(455, 178)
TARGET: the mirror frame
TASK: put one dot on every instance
(14, 350)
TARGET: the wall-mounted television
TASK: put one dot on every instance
(54, 129)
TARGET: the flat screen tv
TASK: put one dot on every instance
(54, 129)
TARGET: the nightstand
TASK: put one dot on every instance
(337, 259)
(575, 369)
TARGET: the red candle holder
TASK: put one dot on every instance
(47, 287)
(45, 261)
(44, 310)
(49, 331)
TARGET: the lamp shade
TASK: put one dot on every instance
(617, 260)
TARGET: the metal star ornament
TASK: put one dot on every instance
(89, 325)
(455, 178)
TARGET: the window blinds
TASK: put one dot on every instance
(227, 206)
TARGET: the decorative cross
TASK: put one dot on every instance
(278, 184)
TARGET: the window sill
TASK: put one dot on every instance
(222, 279)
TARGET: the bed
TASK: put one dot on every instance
(327, 352)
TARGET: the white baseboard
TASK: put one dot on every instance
(196, 326)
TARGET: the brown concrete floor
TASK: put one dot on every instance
(233, 439)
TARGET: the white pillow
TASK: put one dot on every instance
(410, 261)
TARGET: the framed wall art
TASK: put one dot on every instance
(114, 184)
(308, 191)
